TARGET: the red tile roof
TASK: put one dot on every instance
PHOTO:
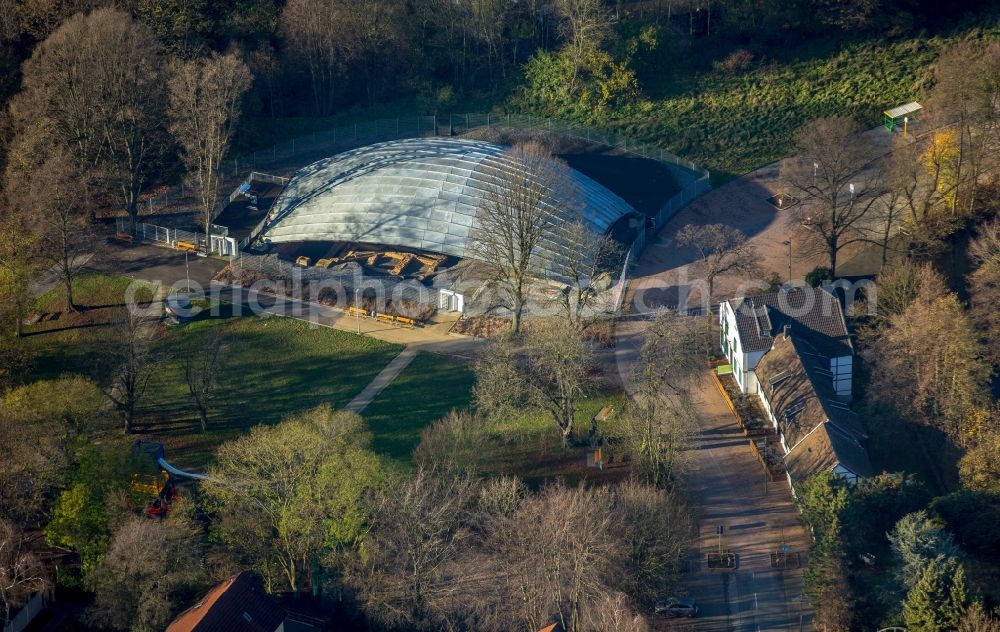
(238, 604)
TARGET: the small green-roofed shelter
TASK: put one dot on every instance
(901, 115)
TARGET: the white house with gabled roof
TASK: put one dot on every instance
(791, 348)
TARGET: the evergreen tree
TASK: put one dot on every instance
(938, 599)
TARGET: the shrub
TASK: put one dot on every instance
(735, 63)
(819, 274)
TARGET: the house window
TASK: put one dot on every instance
(724, 336)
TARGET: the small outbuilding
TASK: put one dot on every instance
(901, 115)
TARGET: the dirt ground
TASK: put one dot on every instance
(669, 276)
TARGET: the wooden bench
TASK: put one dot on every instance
(385, 318)
(356, 311)
(406, 322)
(125, 237)
(186, 246)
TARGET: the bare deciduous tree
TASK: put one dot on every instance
(22, 574)
(587, 262)
(919, 187)
(722, 250)
(17, 269)
(882, 224)
(929, 363)
(151, 569)
(205, 104)
(513, 219)
(64, 230)
(654, 527)
(94, 87)
(420, 529)
(899, 286)
(202, 363)
(672, 354)
(457, 440)
(132, 363)
(658, 422)
(500, 385)
(984, 284)
(584, 25)
(554, 554)
(977, 619)
(316, 31)
(614, 611)
(833, 169)
(550, 373)
(967, 94)
(657, 434)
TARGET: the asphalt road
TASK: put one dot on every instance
(727, 484)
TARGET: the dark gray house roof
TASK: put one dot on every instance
(821, 431)
(813, 314)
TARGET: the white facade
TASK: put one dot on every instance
(743, 363)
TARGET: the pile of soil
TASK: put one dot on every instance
(481, 326)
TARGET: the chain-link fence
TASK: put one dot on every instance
(344, 286)
(292, 155)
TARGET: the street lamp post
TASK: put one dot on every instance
(788, 242)
(357, 309)
(187, 272)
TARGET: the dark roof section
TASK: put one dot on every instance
(819, 429)
(813, 313)
(238, 604)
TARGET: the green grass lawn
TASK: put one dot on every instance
(68, 342)
(529, 445)
(733, 124)
(425, 391)
(272, 367)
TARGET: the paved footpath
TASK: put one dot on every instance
(383, 379)
(727, 485)
(730, 485)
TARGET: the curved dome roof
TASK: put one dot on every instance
(418, 193)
